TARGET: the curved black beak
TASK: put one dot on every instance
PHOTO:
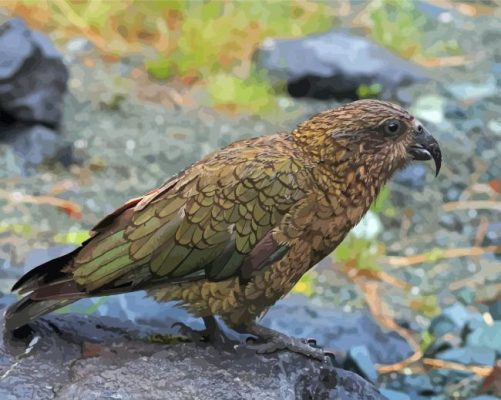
(425, 147)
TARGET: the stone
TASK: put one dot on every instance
(486, 336)
(466, 295)
(72, 356)
(413, 176)
(469, 355)
(453, 318)
(332, 329)
(359, 361)
(394, 394)
(35, 144)
(33, 76)
(334, 64)
(495, 309)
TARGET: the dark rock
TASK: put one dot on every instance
(359, 361)
(486, 336)
(334, 65)
(84, 357)
(493, 235)
(441, 325)
(455, 111)
(33, 76)
(495, 309)
(420, 384)
(469, 355)
(466, 295)
(337, 330)
(453, 319)
(394, 394)
(414, 176)
(35, 144)
(443, 343)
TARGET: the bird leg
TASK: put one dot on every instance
(211, 334)
(270, 341)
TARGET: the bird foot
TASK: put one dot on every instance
(306, 347)
(211, 334)
(192, 334)
(268, 341)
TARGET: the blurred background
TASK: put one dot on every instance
(101, 101)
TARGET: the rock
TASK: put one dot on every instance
(452, 319)
(430, 108)
(93, 358)
(334, 65)
(298, 317)
(33, 76)
(420, 384)
(295, 315)
(416, 386)
(486, 336)
(35, 144)
(394, 395)
(368, 227)
(469, 355)
(414, 177)
(359, 361)
(495, 309)
(493, 235)
(466, 295)
(473, 91)
(443, 343)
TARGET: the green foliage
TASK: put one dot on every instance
(25, 230)
(369, 91)
(305, 286)
(253, 93)
(426, 340)
(359, 253)
(75, 237)
(85, 310)
(383, 205)
(426, 305)
(382, 201)
(398, 25)
(166, 339)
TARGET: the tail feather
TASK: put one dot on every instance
(26, 310)
(44, 273)
(47, 288)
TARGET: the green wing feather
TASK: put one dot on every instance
(208, 220)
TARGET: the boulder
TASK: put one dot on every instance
(34, 144)
(33, 80)
(71, 356)
(334, 64)
(33, 76)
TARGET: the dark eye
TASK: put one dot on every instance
(392, 127)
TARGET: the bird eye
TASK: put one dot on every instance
(392, 127)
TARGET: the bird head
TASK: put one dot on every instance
(372, 134)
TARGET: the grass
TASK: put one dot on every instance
(212, 43)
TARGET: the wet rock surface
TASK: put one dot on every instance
(72, 356)
(334, 65)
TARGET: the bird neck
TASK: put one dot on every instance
(343, 171)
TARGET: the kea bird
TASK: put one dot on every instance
(233, 233)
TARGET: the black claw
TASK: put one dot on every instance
(251, 340)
